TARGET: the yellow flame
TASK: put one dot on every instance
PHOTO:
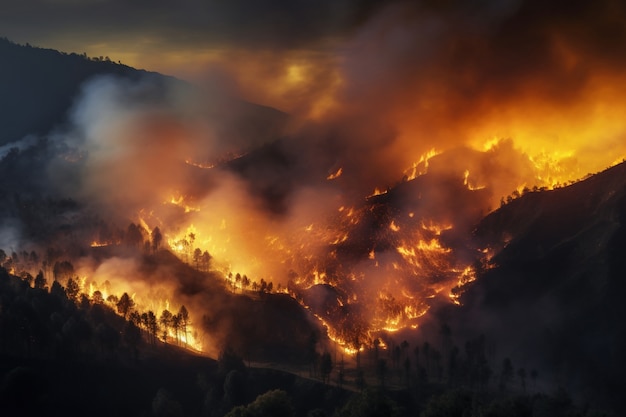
(335, 174)
(421, 166)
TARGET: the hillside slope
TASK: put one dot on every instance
(38, 86)
(552, 295)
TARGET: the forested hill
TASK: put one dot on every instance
(553, 292)
(37, 86)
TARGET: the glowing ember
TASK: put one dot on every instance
(335, 174)
(96, 244)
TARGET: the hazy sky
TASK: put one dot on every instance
(176, 34)
(436, 73)
(172, 35)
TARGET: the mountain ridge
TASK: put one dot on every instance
(552, 292)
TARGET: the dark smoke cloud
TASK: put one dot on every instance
(422, 75)
(265, 24)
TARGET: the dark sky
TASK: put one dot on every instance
(136, 29)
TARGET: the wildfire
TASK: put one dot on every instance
(180, 201)
(466, 276)
(435, 228)
(421, 166)
(96, 244)
(199, 165)
(335, 174)
(377, 192)
(156, 301)
(467, 183)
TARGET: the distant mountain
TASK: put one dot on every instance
(38, 87)
(553, 295)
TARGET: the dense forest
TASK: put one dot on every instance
(63, 352)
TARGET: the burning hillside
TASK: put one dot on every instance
(302, 215)
(405, 129)
(363, 267)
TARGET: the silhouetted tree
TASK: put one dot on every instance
(326, 367)
(153, 326)
(57, 290)
(407, 371)
(63, 270)
(311, 352)
(426, 352)
(113, 300)
(72, 289)
(206, 260)
(134, 236)
(405, 347)
(507, 374)
(135, 318)
(437, 363)
(125, 305)
(197, 257)
(40, 281)
(381, 371)
(395, 356)
(446, 342)
(533, 377)
(176, 327)
(416, 353)
(245, 282)
(157, 239)
(183, 315)
(28, 278)
(166, 322)
(521, 372)
(360, 379)
(478, 371)
(376, 347)
(144, 321)
(97, 297)
(453, 366)
(83, 302)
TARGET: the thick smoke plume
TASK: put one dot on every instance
(458, 103)
(421, 75)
